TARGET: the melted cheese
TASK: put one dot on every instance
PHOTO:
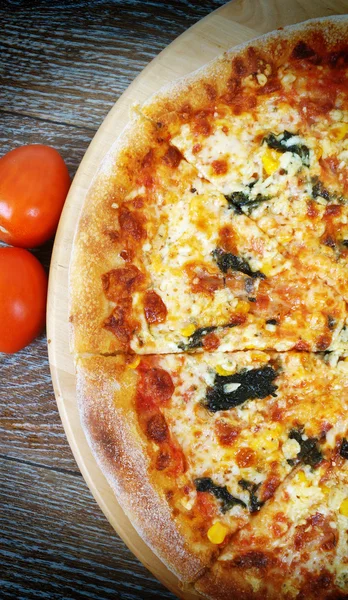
(309, 392)
(287, 180)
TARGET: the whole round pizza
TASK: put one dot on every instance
(209, 323)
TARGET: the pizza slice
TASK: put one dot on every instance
(162, 264)
(195, 444)
(268, 126)
(296, 547)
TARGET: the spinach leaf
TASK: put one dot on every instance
(252, 488)
(319, 190)
(253, 383)
(196, 339)
(238, 200)
(310, 452)
(272, 322)
(205, 484)
(344, 449)
(279, 143)
(227, 261)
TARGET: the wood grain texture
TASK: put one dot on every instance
(70, 61)
(58, 546)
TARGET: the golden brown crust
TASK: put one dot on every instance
(200, 89)
(105, 391)
(96, 248)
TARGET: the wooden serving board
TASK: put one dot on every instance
(232, 24)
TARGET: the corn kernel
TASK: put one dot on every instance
(319, 152)
(326, 490)
(135, 362)
(188, 330)
(285, 237)
(266, 268)
(301, 476)
(217, 533)
(339, 131)
(224, 372)
(344, 508)
(270, 161)
(243, 307)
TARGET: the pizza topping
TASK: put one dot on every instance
(270, 161)
(251, 559)
(217, 533)
(211, 342)
(252, 488)
(196, 338)
(221, 493)
(172, 157)
(344, 448)
(232, 390)
(157, 428)
(245, 457)
(310, 452)
(272, 322)
(119, 325)
(162, 461)
(157, 385)
(303, 52)
(220, 166)
(118, 284)
(288, 142)
(133, 362)
(154, 308)
(226, 433)
(238, 200)
(319, 191)
(344, 507)
(227, 261)
(202, 281)
(131, 223)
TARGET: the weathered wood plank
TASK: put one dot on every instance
(17, 130)
(30, 428)
(56, 544)
(69, 62)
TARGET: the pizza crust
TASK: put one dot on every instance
(105, 391)
(199, 88)
(95, 248)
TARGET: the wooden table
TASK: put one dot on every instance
(62, 66)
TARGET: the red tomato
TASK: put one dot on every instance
(23, 291)
(34, 182)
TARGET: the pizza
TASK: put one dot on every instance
(209, 323)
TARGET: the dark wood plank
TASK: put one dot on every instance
(56, 544)
(30, 428)
(72, 142)
(69, 62)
